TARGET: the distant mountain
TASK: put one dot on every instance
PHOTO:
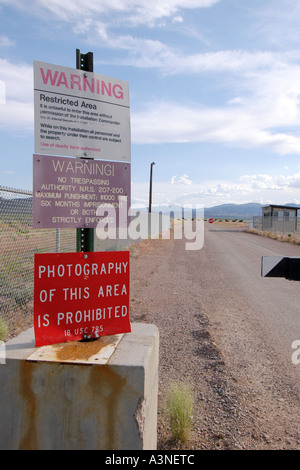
(234, 210)
(244, 211)
(222, 211)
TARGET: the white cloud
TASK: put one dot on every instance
(260, 188)
(184, 179)
(220, 61)
(209, 192)
(263, 181)
(263, 110)
(142, 52)
(267, 115)
(245, 126)
(177, 19)
(17, 112)
(18, 78)
(280, 184)
(262, 102)
(132, 12)
(155, 54)
(277, 23)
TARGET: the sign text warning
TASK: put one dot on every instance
(79, 113)
(68, 191)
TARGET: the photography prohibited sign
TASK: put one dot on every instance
(78, 295)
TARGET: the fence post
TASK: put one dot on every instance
(57, 240)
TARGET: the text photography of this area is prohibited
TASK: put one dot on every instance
(79, 295)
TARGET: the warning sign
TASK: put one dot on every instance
(80, 295)
(79, 113)
(68, 191)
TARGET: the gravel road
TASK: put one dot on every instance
(227, 332)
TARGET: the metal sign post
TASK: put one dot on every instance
(150, 189)
(85, 237)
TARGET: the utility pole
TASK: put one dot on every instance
(150, 191)
(85, 236)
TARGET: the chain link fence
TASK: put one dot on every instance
(19, 243)
(278, 225)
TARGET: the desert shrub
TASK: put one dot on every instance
(179, 405)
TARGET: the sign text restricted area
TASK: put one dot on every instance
(80, 295)
(79, 113)
(68, 191)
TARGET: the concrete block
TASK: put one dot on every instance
(52, 403)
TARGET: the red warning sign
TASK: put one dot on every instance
(80, 295)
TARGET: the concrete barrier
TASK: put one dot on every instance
(95, 395)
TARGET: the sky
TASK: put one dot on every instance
(214, 91)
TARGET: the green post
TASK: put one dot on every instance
(84, 236)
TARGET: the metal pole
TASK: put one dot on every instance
(150, 191)
(85, 236)
(57, 242)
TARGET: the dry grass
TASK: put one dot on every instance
(231, 223)
(275, 236)
(179, 406)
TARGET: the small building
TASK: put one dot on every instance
(280, 218)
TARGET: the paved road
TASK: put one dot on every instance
(275, 302)
(254, 322)
(228, 332)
